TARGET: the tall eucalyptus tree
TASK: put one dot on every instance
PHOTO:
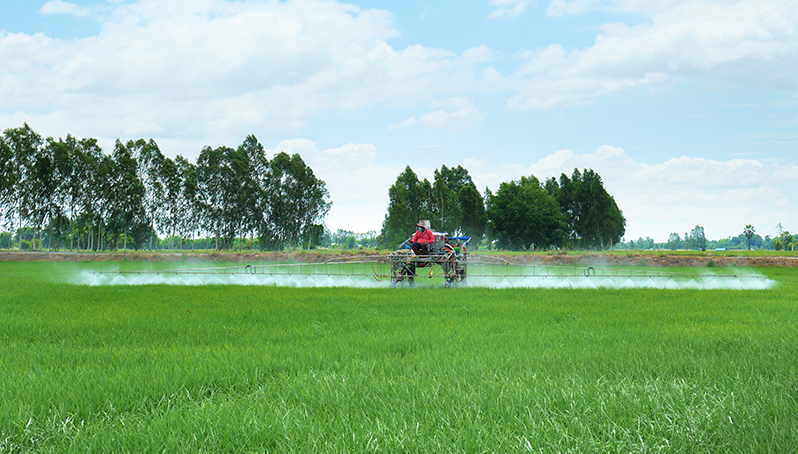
(444, 202)
(57, 159)
(457, 206)
(236, 186)
(209, 195)
(297, 199)
(473, 218)
(25, 144)
(407, 203)
(255, 200)
(74, 173)
(8, 182)
(149, 160)
(169, 178)
(94, 172)
(127, 214)
(187, 210)
(593, 219)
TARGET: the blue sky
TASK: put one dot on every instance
(688, 109)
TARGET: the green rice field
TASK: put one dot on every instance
(273, 369)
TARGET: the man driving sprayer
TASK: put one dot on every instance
(422, 239)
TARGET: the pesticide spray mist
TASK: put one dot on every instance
(280, 280)
(515, 277)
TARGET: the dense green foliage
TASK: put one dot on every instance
(456, 204)
(70, 188)
(784, 241)
(697, 239)
(524, 216)
(575, 212)
(242, 369)
(592, 218)
(452, 203)
(408, 202)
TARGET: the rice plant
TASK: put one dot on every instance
(254, 368)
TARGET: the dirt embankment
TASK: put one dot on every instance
(633, 259)
(629, 259)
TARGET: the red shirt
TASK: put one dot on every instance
(423, 237)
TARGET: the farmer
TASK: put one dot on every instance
(422, 239)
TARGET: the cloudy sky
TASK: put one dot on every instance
(687, 109)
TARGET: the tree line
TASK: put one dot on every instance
(77, 196)
(696, 239)
(572, 212)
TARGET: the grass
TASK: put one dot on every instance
(223, 368)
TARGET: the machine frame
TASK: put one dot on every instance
(449, 253)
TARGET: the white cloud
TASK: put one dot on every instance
(652, 7)
(674, 195)
(647, 8)
(403, 124)
(479, 54)
(221, 69)
(552, 163)
(716, 44)
(463, 113)
(508, 8)
(60, 7)
(570, 7)
(790, 172)
(353, 151)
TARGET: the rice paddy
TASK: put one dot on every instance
(156, 367)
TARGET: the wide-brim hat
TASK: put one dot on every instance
(424, 223)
